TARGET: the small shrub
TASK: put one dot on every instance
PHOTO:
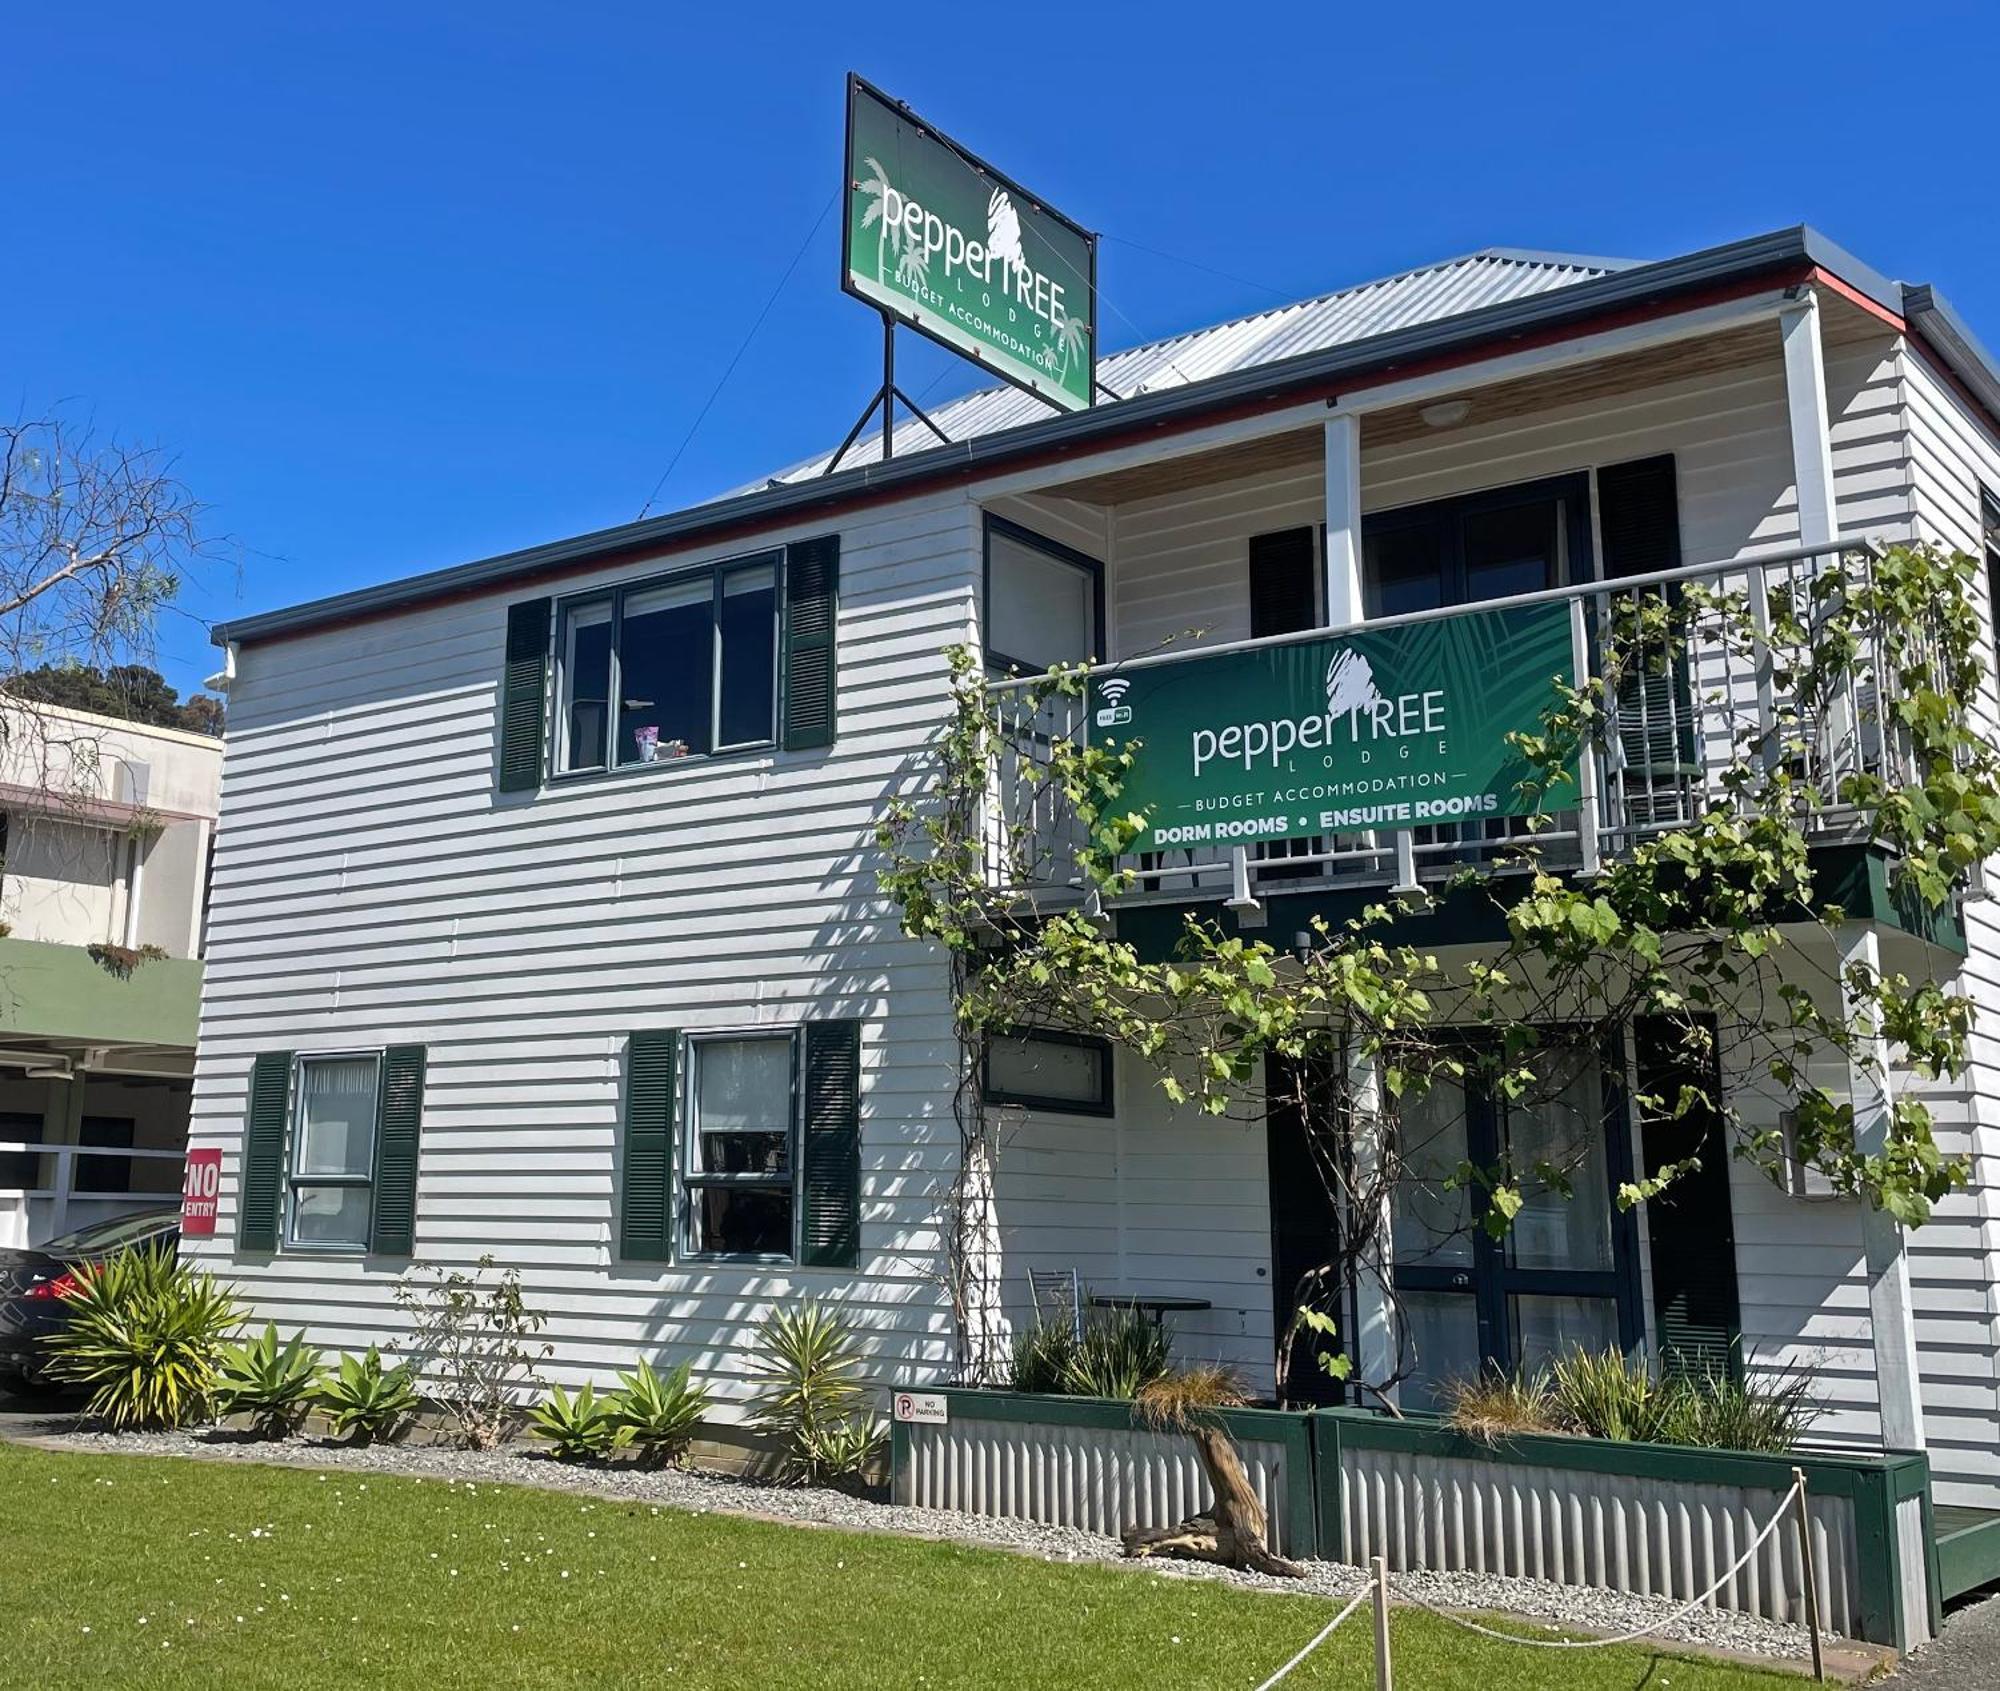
(1042, 1355)
(811, 1394)
(659, 1417)
(1122, 1351)
(470, 1338)
(578, 1429)
(1610, 1397)
(271, 1383)
(1493, 1407)
(364, 1401)
(145, 1337)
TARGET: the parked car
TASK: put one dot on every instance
(33, 1283)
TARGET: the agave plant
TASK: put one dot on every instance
(145, 1338)
(577, 1428)
(658, 1416)
(811, 1394)
(1121, 1352)
(365, 1401)
(269, 1382)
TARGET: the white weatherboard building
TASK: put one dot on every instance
(545, 925)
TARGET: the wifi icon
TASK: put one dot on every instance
(1113, 712)
(1115, 689)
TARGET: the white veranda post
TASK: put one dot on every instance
(1891, 1318)
(1374, 1346)
(1343, 520)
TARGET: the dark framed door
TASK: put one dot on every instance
(1563, 1276)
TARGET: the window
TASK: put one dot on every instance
(741, 1142)
(1482, 546)
(1063, 1072)
(668, 669)
(1044, 602)
(334, 1102)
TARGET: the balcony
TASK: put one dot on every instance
(1679, 720)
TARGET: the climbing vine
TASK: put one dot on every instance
(1013, 842)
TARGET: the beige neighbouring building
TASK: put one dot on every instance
(108, 829)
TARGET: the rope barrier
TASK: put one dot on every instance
(1693, 1603)
(1321, 1636)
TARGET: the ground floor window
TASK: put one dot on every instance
(1563, 1276)
(1063, 1072)
(741, 1116)
(335, 1100)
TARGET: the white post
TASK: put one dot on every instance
(1588, 819)
(1805, 396)
(1812, 477)
(1891, 1319)
(1343, 520)
(1375, 1331)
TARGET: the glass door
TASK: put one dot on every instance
(1563, 1277)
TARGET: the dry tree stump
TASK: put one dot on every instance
(1232, 1532)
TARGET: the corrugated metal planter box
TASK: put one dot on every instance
(1080, 1462)
(1656, 1519)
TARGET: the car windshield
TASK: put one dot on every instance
(110, 1235)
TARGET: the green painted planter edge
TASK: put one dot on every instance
(1872, 1484)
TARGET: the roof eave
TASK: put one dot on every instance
(1625, 289)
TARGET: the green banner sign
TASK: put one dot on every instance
(946, 244)
(1405, 728)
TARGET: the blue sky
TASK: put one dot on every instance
(404, 286)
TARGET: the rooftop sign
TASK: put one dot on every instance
(942, 242)
(1406, 727)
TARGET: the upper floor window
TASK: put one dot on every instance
(675, 667)
(1481, 546)
(1044, 600)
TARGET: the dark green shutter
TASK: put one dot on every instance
(260, 1197)
(812, 600)
(1284, 591)
(645, 1218)
(393, 1226)
(1690, 1228)
(830, 1191)
(1638, 516)
(524, 696)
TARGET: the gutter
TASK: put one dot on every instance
(1642, 287)
(1946, 334)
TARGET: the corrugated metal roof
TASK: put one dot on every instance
(1426, 295)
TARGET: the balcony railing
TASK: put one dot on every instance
(31, 1215)
(1676, 724)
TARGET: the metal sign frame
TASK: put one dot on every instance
(859, 87)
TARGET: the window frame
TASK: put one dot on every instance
(1023, 536)
(1989, 547)
(288, 1239)
(687, 1182)
(615, 594)
(1105, 1104)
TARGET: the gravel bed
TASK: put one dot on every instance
(1532, 1599)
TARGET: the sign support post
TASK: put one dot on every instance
(885, 396)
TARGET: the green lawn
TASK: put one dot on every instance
(118, 1571)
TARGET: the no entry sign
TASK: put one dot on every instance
(199, 1188)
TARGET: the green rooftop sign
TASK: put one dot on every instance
(1402, 728)
(943, 242)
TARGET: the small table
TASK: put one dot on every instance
(1157, 1308)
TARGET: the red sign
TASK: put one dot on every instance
(199, 1187)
